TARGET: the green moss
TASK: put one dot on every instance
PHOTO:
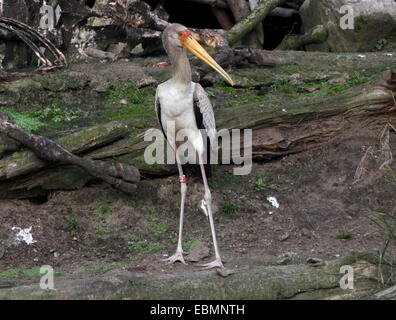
(101, 231)
(142, 248)
(140, 102)
(344, 235)
(229, 207)
(261, 184)
(224, 179)
(24, 119)
(71, 224)
(360, 23)
(35, 115)
(354, 79)
(32, 272)
(67, 81)
(230, 97)
(286, 88)
(250, 228)
(287, 174)
(55, 113)
(21, 272)
(153, 224)
(103, 209)
(188, 243)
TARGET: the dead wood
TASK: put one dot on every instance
(316, 35)
(240, 10)
(92, 52)
(222, 18)
(250, 22)
(276, 133)
(35, 41)
(120, 176)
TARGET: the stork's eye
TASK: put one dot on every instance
(184, 34)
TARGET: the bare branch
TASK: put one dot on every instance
(120, 176)
(249, 23)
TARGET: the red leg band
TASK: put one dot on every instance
(183, 179)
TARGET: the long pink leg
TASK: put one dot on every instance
(178, 256)
(217, 263)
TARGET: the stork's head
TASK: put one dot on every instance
(177, 37)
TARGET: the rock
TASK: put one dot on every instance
(146, 82)
(283, 261)
(119, 49)
(315, 262)
(284, 236)
(310, 88)
(198, 251)
(138, 49)
(224, 272)
(306, 233)
(296, 78)
(285, 258)
(99, 83)
(343, 78)
(374, 21)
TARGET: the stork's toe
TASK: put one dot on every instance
(214, 264)
(178, 256)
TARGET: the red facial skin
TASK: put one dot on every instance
(183, 35)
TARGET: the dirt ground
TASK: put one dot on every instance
(323, 199)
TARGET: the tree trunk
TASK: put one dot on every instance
(248, 282)
(222, 18)
(240, 9)
(249, 23)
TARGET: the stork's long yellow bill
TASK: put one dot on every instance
(196, 49)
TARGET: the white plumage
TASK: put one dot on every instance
(184, 106)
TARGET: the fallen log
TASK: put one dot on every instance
(100, 54)
(316, 35)
(256, 281)
(45, 153)
(277, 131)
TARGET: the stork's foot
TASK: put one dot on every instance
(214, 264)
(178, 256)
